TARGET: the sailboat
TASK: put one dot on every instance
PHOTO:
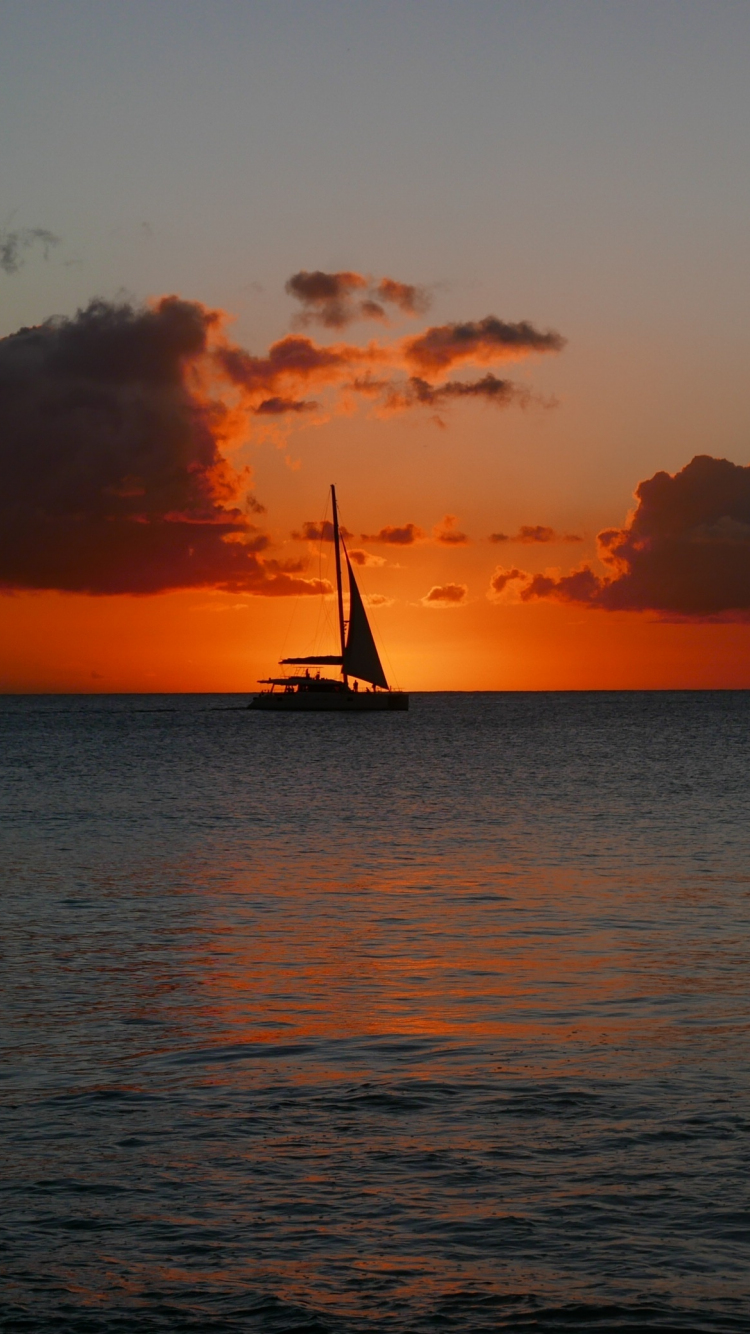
(358, 661)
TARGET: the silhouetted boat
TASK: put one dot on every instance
(358, 659)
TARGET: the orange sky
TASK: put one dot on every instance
(477, 472)
(214, 642)
(492, 265)
(452, 482)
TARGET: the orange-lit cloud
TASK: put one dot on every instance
(115, 426)
(413, 300)
(404, 536)
(360, 557)
(407, 534)
(445, 595)
(294, 360)
(535, 533)
(335, 300)
(277, 407)
(446, 532)
(312, 531)
(501, 580)
(480, 341)
(111, 475)
(272, 384)
(685, 551)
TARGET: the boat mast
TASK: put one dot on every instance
(339, 589)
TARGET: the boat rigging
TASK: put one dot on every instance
(358, 659)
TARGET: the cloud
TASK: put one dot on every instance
(319, 532)
(336, 299)
(685, 551)
(295, 364)
(417, 392)
(479, 341)
(445, 595)
(399, 537)
(294, 360)
(326, 297)
(15, 245)
(116, 426)
(530, 534)
(447, 533)
(276, 407)
(377, 600)
(112, 478)
(409, 298)
(360, 557)
(499, 589)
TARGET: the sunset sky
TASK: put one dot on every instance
(485, 266)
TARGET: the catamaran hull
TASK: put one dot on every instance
(330, 703)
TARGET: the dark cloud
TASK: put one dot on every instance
(326, 297)
(15, 245)
(500, 580)
(445, 595)
(319, 532)
(111, 475)
(489, 388)
(398, 537)
(277, 407)
(114, 427)
(360, 557)
(419, 391)
(335, 299)
(484, 340)
(402, 395)
(533, 533)
(686, 551)
(447, 533)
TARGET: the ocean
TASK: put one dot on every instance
(394, 1022)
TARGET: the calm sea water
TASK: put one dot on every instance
(408, 1022)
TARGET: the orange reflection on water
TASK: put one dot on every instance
(544, 957)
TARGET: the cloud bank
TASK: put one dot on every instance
(684, 553)
(116, 425)
(112, 478)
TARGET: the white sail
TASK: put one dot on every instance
(361, 657)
